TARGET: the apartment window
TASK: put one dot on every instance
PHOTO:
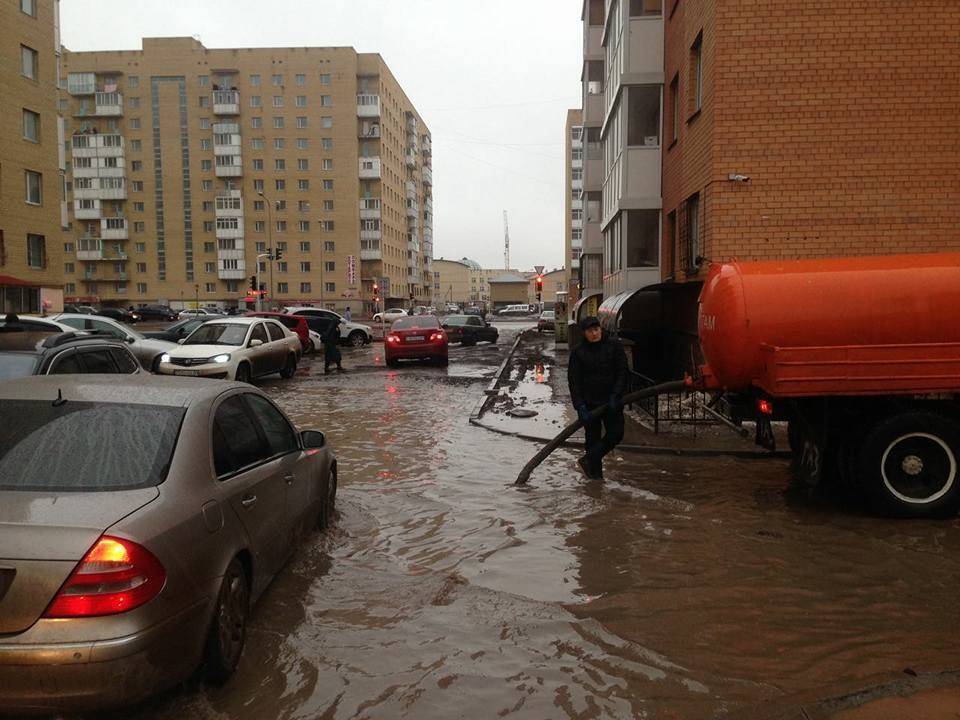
(643, 238)
(326, 101)
(203, 80)
(260, 247)
(209, 247)
(209, 267)
(329, 287)
(305, 287)
(301, 101)
(324, 78)
(576, 174)
(141, 288)
(204, 165)
(328, 225)
(329, 266)
(139, 226)
(304, 226)
(133, 81)
(259, 205)
(301, 122)
(36, 251)
(204, 101)
(138, 207)
(134, 123)
(278, 123)
(279, 164)
(282, 287)
(141, 267)
(282, 266)
(256, 123)
(279, 143)
(207, 206)
(208, 226)
(303, 206)
(255, 80)
(141, 247)
(262, 266)
(258, 185)
(326, 121)
(302, 144)
(305, 267)
(277, 80)
(29, 7)
(327, 164)
(34, 186)
(675, 108)
(281, 225)
(257, 164)
(259, 226)
(31, 125)
(280, 184)
(278, 101)
(281, 205)
(643, 115)
(136, 145)
(204, 144)
(257, 143)
(205, 185)
(328, 185)
(304, 246)
(300, 79)
(639, 8)
(691, 246)
(69, 268)
(303, 184)
(326, 143)
(255, 101)
(211, 287)
(133, 103)
(28, 62)
(696, 74)
(329, 245)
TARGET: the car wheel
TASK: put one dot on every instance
(289, 368)
(392, 363)
(243, 373)
(467, 341)
(329, 503)
(228, 629)
(909, 466)
(356, 339)
(443, 361)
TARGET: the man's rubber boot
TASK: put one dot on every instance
(584, 467)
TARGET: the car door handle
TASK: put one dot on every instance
(289, 479)
(249, 501)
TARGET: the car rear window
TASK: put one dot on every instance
(16, 365)
(420, 321)
(85, 445)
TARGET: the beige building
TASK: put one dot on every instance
(188, 165)
(553, 282)
(31, 180)
(509, 288)
(573, 201)
(451, 282)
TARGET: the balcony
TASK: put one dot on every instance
(95, 145)
(89, 248)
(114, 228)
(427, 174)
(370, 168)
(370, 209)
(371, 250)
(427, 145)
(86, 213)
(231, 273)
(230, 230)
(228, 166)
(370, 235)
(412, 262)
(411, 188)
(369, 131)
(226, 102)
(413, 208)
(85, 193)
(368, 106)
(410, 158)
(108, 104)
(229, 203)
(411, 123)
(593, 104)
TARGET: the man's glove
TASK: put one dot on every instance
(613, 404)
(583, 412)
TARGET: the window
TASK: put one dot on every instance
(324, 78)
(278, 123)
(692, 245)
(278, 101)
(204, 165)
(282, 266)
(255, 80)
(257, 164)
(204, 101)
(304, 226)
(207, 206)
(280, 184)
(139, 226)
(28, 62)
(257, 143)
(643, 238)
(675, 108)
(303, 164)
(301, 101)
(258, 185)
(136, 145)
(210, 287)
(639, 8)
(135, 123)
(282, 287)
(34, 187)
(36, 251)
(301, 79)
(205, 185)
(68, 247)
(279, 143)
(276, 80)
(329, 246)
(255, 101)
(302, 143)
(327, 164)
(203, 80)
(328, 225)
(328, 184)
(208, 225)
(141, 247)
(305, 267)
(303, 184)
(301, 122)
(209, 247)
(329, 287)
(141, 267)
(281, 225)
(133, 102)
(304, 246)
(137, 186)
(259, 205)
(279, 164)
(330, 266)
(69, 268)
(256, 123)
(326, 101)
(326, 121)
(305, 287)
(696, 74)
(303, 205)
(29, 7)
(204, 144)
(204, 123)
(209, 267)
(31, 125)
(643, 115)
(236, 441)
(281, 205)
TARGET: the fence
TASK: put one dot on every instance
(680, 408)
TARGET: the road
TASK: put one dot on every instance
(677, 588)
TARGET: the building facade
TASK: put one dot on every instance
(189, 167)
(508, 288)
(451, 282)
(31, 160)
(573, 201)
(554, 281)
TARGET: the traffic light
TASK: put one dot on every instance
(253, 282)
(278, 255)
(539, 287)
(376, 292)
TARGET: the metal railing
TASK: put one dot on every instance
(678, 408)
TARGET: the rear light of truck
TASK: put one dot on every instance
(764, 406)
(115, 576)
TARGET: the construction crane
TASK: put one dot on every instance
(506, 243)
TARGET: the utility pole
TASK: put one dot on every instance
(269, 202)
(506, 243)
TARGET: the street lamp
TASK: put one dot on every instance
(269, 202)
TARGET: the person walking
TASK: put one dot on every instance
(597, 376)
(331, 347)
(346, 314)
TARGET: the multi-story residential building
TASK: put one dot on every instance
(573, 201)
(31, 160)
(189, 165)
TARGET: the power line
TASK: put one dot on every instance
(506, 170)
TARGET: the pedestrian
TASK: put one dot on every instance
(331, 347)
(346, 314)
(597, 376)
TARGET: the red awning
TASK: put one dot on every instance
(16, 282)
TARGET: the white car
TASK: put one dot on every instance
(389, 315)
(195, 312)
(351, 333)
(147, 350)
(315, 341)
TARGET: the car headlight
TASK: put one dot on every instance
(220, 358)
(165, 358)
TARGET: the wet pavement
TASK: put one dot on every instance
(678, 588)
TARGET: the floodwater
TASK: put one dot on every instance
(677, 588)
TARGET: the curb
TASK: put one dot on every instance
(481, 406)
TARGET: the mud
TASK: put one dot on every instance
(677, 588)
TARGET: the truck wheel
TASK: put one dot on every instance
(909, 466)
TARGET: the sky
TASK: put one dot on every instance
(492, 79)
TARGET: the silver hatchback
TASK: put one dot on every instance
(140, 518)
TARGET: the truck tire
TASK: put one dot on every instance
(909, 466)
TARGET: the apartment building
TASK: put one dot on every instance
(573, 201)
(451, 282)
(31, 179)
(190, 167)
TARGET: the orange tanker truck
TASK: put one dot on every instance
(861, 355)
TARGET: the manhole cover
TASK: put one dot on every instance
(522, 412)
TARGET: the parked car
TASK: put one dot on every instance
(155, 312)
(351, 333)
(28, 353)
(155, 523)
(389, 315)
(120, 315)
(452, 308)
(545, 321)
(148, 351)
(416, 338)
(195, 312)
(474, 311)
(515, 311)
(469, 329)
(181, 329)
(32, 323)
(316, 340)
(296, 324)
(239, 348)
(79, 309)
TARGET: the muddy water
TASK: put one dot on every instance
(676, 589)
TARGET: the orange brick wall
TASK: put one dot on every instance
(846, 117)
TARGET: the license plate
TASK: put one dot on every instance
(415, 338)
(191, 373)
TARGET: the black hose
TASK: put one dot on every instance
(653, 390)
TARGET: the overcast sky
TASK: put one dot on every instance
(492, 79)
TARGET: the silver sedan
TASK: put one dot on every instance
(139, 520)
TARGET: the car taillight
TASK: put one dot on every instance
(393, 338)
(437, 337)
(115, 576)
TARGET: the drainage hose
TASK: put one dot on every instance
(652, 391)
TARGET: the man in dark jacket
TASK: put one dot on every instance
(331, 347)
(597, 376)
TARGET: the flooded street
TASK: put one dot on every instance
(677, 588)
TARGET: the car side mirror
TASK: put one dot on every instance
(181, 341)
(129, 339)
(312, 439)
(256, 343)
